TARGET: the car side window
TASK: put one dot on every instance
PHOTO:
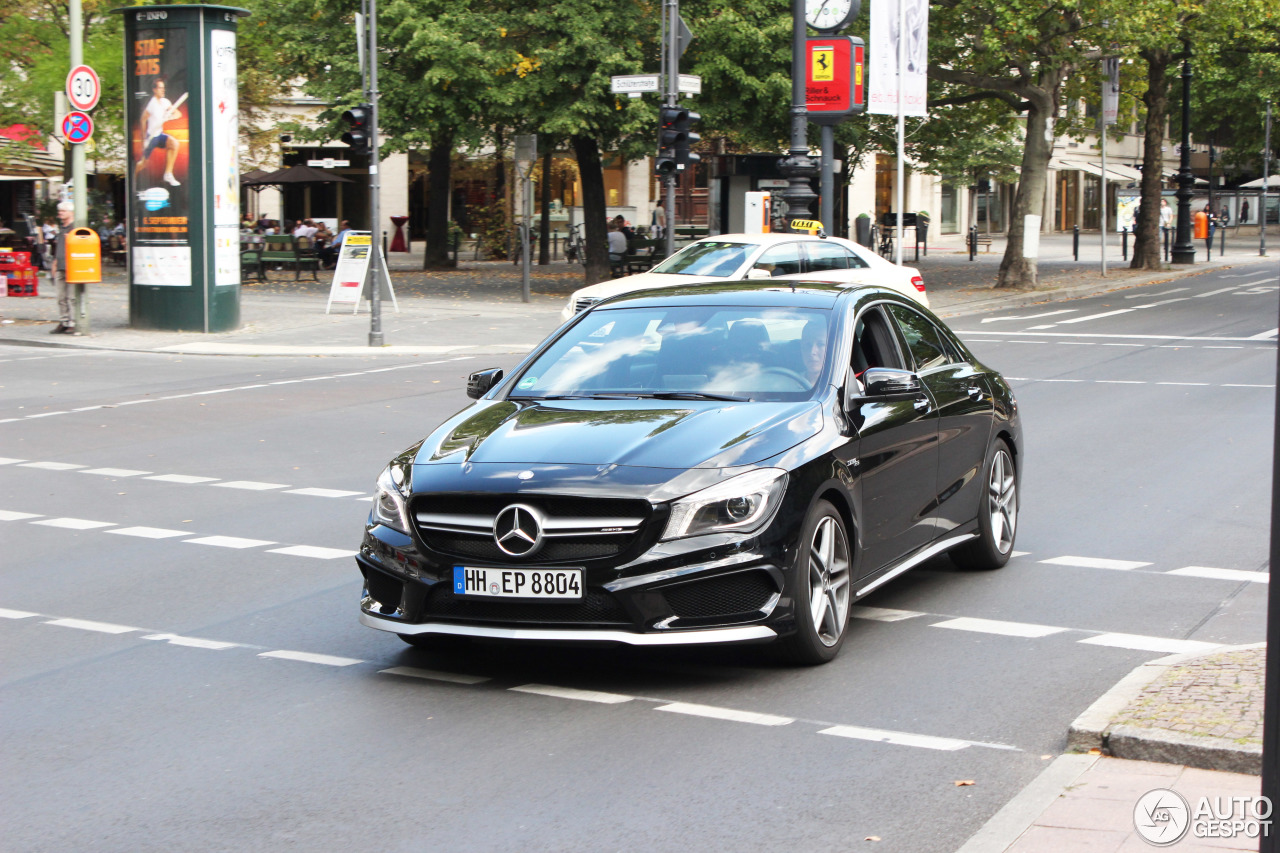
(827, 256)
(873, 343)
(856, 261)
(923, 338)
(780, 260)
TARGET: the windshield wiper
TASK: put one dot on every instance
(696, 395)
(574, 397)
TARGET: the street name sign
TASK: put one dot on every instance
(627, 83)
(690, 84)
(328, 163)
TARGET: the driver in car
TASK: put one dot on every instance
(813, 349)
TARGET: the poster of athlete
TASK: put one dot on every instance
(159, 155)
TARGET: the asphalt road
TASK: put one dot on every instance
(181, 667)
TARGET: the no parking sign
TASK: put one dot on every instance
(77, 127)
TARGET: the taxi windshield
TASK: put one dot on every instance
(707, 258)
(685, 352)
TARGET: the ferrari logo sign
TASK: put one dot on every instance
(824, 64)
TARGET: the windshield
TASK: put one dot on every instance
(685, 352)
(710, 258)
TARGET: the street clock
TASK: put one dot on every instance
(831, 16)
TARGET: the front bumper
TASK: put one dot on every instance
(750, 633)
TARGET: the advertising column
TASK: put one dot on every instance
(182, 125)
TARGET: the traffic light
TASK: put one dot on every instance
(357, 135)
(675, 139)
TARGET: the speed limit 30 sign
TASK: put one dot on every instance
(83, 88)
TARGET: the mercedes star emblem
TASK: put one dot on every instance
(518, 530)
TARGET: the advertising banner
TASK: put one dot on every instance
(225, 160)
(158, 108)
(352, 269)
(883, 84)
(1110, 89)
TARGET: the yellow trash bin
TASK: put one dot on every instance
(84, 256)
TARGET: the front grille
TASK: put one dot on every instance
(595, 608)
(725, 595)
(574, 529)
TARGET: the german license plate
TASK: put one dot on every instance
(517, 583)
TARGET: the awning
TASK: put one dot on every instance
(1115, 172)
(1272, 181)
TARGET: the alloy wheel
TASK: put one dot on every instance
(829, 580)
(1002, 493)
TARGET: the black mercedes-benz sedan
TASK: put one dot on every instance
(736, 462)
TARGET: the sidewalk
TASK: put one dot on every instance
(476, 309)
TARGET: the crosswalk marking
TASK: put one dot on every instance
(1141, 643)
(11, 515)
(74, 523)
(323, 493)
(313, 551)
(1095, 563)
(994, 626)
(114, 472)
(86, 625)
(191, 642)
(228, 542)
(881, 614)
(1222, 574)
(52, 466)
(181, 478)
(899, 738)
(730, 714)
(311, 657)
(573, 693)
(148, 532)
(249, 485)
(434, 675)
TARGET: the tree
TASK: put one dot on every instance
(1020, 51)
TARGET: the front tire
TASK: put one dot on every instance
(998, 516)
(823, 582)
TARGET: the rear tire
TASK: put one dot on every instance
(998, 515)
(822, 580)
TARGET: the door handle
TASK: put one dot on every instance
(975, 393)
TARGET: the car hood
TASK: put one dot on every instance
(640, 433)
(639, 281)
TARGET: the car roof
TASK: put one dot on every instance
(789, 294)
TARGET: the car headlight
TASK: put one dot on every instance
(388, 503)
(740, 504)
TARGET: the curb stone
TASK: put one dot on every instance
(1093, 730)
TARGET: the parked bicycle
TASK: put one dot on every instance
(574, 251)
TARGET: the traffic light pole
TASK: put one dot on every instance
(372, 281)
(798, 166)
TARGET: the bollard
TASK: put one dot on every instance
(1124, 244)
(1075, 242)
(1222, 243)
(1164, 236)
(973, 241)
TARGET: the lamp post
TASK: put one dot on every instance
(798, 166)
(1184, 251)
(1266, 177)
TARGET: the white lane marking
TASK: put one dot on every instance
(4, 460)
(47, 415)
(1095, 563)
(250, 485)
(881, 614)
(15, 614)
(191, 642)
(1216, 292)
(114, 472)
(1031, 316)
(1095, 316)
(434, 675)
(1161, 293)
(1223, 346)
(1077, 343)
(1105, 335)
(1120, 382)
(181, 478)
(717, 713)
(1196, 384)
(1059, 380)
(310, 657)
(1141, 643)
(149, 532)
(1029, 342)
(1045, 326)
(897, 738)
(1243, 385)
(10, 515)
(1265, 335)
(1222, 574)
(323, 493)
(75, 523)
(86, 625)
(313, 551)
(1019, 553)
(994, 626)
(573, 693)
(1161, 302)
(1120, 345)
(227, 542)
(52, 466)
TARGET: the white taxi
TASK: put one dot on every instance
(734, 257)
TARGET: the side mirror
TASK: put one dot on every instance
(478, 384)
(757, 274)
(884, 381)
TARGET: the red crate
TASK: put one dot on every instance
(23, 283)
(14, 260)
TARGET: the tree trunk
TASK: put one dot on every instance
(438, 180)
(1017, 271)
(1146, 244)
(595, 235)
(544, 219)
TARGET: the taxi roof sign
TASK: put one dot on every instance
(809, 226)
